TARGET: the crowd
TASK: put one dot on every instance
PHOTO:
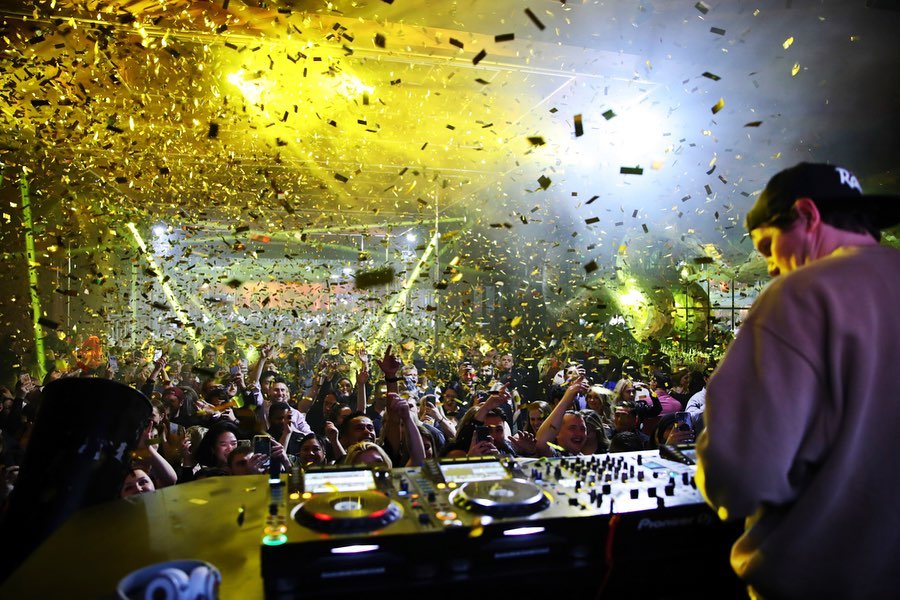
(347, 408)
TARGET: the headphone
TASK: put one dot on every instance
(175, 584)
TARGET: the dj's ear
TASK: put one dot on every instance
(807, 210)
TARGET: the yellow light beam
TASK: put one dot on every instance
(170, 296)
(391, 313)
(32, 278)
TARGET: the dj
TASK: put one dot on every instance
(798, 426)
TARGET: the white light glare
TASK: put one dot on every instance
(357, 549)
(524, 531)
(411, 237)
(159, 230)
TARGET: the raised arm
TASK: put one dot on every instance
(550, 427)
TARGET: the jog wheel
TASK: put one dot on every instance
(503, 498)
(348, 512)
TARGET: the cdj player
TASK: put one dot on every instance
(593, 522)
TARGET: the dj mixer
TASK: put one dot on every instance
(593, 521)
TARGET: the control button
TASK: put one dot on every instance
(416, 504)
(445, 515)
(573, 501)
(424, 519)
(431, 496)
(670, 490)
(660, 502)
(685, 478)
(651, 492)
(634, 493)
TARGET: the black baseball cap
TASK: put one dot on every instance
(828, 186)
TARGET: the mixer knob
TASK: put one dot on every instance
(606, 489)
(424, 519)
(651, 492)
(431, 496)
(670, 490)
(685, 478)
(634, 493)
(660, 502)
(593, 495)
(640, 459)
(640, 476)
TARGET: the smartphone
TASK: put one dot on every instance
(262, 444)
(113, 363)
(482, 434)
(236, 369)
(157, 355)
(683, 421)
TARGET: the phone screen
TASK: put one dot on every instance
(262, 444)
(482, 434)
(235, 369)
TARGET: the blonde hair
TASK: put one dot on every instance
(358, 448)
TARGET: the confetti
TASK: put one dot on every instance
(505, 37)
(591, 267)
(592, 199)
(380, 40)
(718, 106)
(702, 7)
(48, 323)
(787, 43)
(534, 19)
(712, 76)
(479, 57)
(213, 130)
(544, 182)
(368, 279)
(341, 178)
(536, 140)
(591, 220)
(717, 30)
(609, 114)
(753, 124)
(516, 320)
(579, 127)
(457, 43)
(631, 171)
(795, 69)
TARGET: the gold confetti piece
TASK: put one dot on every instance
(718, 106)
(544, 182)
(505, 37)
(609, 114)
(631, 171)
(787, 43)
(579, 127)
(591, 267)
(198, 501)
(479, 57)
(712, 76)
(753, 124)
(515, 321)
(380, 40)
(702, 7)
(536, 140)
(795, 69)
(717, 30)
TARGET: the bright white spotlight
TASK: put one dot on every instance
(159, 230)
(411, 237)
(347, 271)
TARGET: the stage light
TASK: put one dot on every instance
(347, 271)
(252, 89)
(160, 230)
(411, 237)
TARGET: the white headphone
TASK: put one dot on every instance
(175, 584)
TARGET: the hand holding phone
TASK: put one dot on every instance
(262, 444)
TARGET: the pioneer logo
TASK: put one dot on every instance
(648, 523)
